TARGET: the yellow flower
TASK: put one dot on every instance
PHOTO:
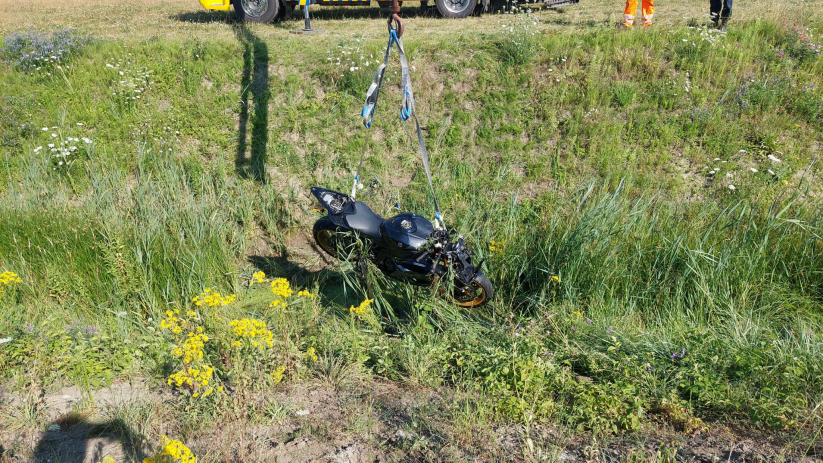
(6, 278)
(497, 246)
(258, 277)
(254, 330)
(280, 288)
(173, 323)
(306, 294)
(311, 354)
(577, 313)
(213, 298)
(555, 278)
(192, 348)
(9, 277)
(277, 374)
(362, 309)
(172, 451)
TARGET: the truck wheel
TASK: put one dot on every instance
(257, 11)
(456, 8)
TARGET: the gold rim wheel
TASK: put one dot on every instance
(465, 299)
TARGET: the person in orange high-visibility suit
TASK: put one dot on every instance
(631, 9)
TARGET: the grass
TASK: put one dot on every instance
(656, 192)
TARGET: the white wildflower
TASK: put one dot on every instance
(5, 340)
(731, 187)
(773, 158)
(753, 170)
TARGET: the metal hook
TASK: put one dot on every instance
(394, 17)
(396, 24)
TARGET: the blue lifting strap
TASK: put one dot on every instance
(407, 111)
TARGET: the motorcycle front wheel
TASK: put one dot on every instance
(335, 241)
(477, 293)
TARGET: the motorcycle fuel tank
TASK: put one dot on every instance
(406, 233)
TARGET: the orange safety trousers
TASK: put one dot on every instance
(631, 9)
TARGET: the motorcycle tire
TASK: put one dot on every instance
(331, 238)
(476, 294)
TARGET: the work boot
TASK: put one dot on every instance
(722, 25)
(628, 21)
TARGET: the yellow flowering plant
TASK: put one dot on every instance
(171, 451)
(251, 332)
(8, 278)
(497, 246)
(281, 288)
(277, 374)
(210, 298)
(195, 373)
(363, 310)
(258, 278)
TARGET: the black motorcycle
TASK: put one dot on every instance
(407, 248)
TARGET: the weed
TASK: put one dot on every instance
(35, 51)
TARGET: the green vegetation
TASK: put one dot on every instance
(653, 198)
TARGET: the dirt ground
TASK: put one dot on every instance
(356, 423)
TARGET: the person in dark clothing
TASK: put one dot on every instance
(721, 11)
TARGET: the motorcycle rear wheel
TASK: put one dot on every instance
(332, 239)
(477, 293)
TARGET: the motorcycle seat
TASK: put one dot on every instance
(365, 220)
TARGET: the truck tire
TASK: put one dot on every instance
(456, 8)
(257, 11)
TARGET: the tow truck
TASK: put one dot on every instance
(271, 10)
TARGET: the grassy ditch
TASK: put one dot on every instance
(648, 204)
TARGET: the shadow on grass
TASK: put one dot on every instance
(82, 441)
(205, 16)
(331, 283)
(254, 86)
